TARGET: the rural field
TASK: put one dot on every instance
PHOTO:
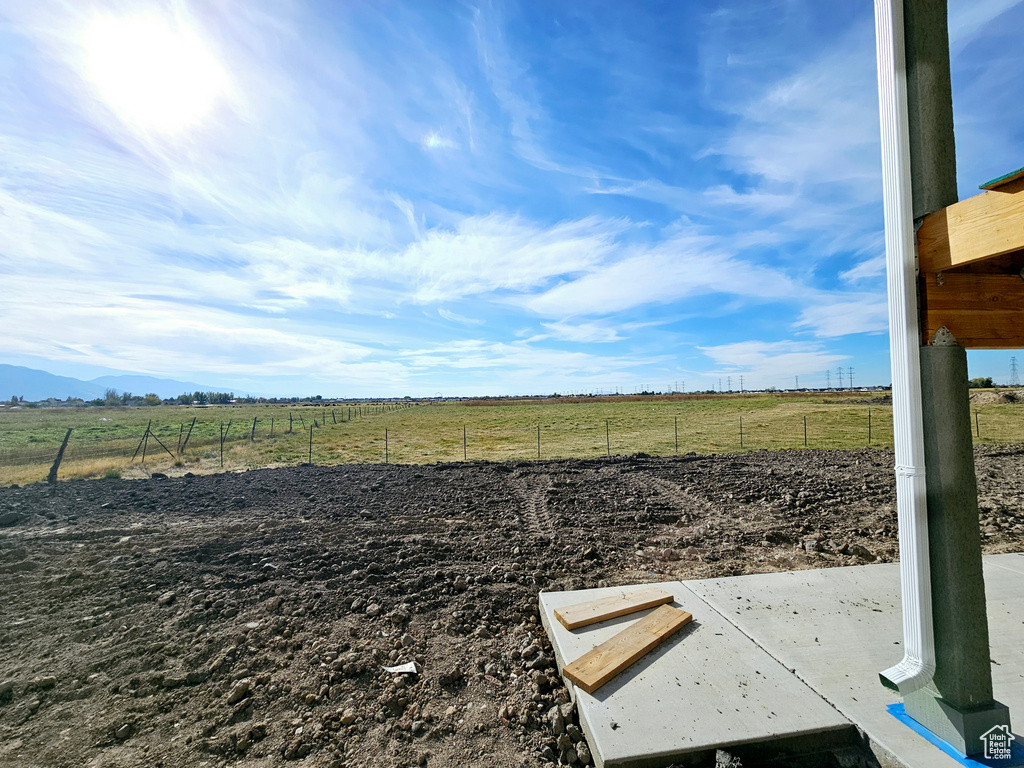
(104, 440)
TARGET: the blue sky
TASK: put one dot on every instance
(405, 198)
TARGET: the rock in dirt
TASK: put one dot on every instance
(166, 598)
(9, 518)
(238, 691)
(583, 752)
(861, 552)
(123, 732)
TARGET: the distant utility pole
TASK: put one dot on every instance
(1014, 379)
(828, 379)
(849, 376)
(728, 380)
(741, 384)
(796, 379)
(839, 371)
(719, 383)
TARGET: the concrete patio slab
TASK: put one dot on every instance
(706, 687)
(786, 659)
(836, 628)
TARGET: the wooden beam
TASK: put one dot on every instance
(982, 311)
(1006, 178)
(593, 611)
(978, 228)
(596, 667)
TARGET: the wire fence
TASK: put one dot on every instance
(346, 435)
(185, 439)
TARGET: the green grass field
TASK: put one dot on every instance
(104, 439)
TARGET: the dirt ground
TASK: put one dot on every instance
(244, 619)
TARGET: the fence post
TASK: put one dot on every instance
(538, 441)
(310, 444)
(52, 477)
(607, 440)
(741, 431)
(677, 434)
(188, 436)
(869, 426)
(145, 441)
(181, 429)
(386, 457)
(333, 417)
(977, 426)
(222, 445)
(805, 431)
(271, 426)
(252, 435)
(289, 421)
(465, 455)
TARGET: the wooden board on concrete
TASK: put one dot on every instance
(593, 611)
(596, 667)
(981, 311)
(978, 228)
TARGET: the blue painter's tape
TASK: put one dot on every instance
(1016, 746)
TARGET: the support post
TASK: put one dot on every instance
(957, 705)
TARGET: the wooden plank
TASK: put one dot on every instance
(978, 228)
(602, 609)
(1006, 178)
(596, 667)
(982, 311)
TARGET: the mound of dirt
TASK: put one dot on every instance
(986, 397)
(248, 618)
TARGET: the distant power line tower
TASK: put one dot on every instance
(796, 379)
(728, 380)
(839, 371)
(741, 384)
(1014, 378)
(828, 379)
(849, 376)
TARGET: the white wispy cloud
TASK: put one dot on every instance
(485, 254)
(847, 314)
(769, 363)
(863, 270)
(969, 17)
(584, 333)
(684, 266)
(455, 317)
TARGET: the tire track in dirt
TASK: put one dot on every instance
(533, 490)
(680, 499)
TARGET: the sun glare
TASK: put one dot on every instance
(155, 76)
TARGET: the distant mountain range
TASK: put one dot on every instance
(32, 384)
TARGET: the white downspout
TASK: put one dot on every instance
(918, 664)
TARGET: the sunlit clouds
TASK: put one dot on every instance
(152, 71)
(492, 198)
